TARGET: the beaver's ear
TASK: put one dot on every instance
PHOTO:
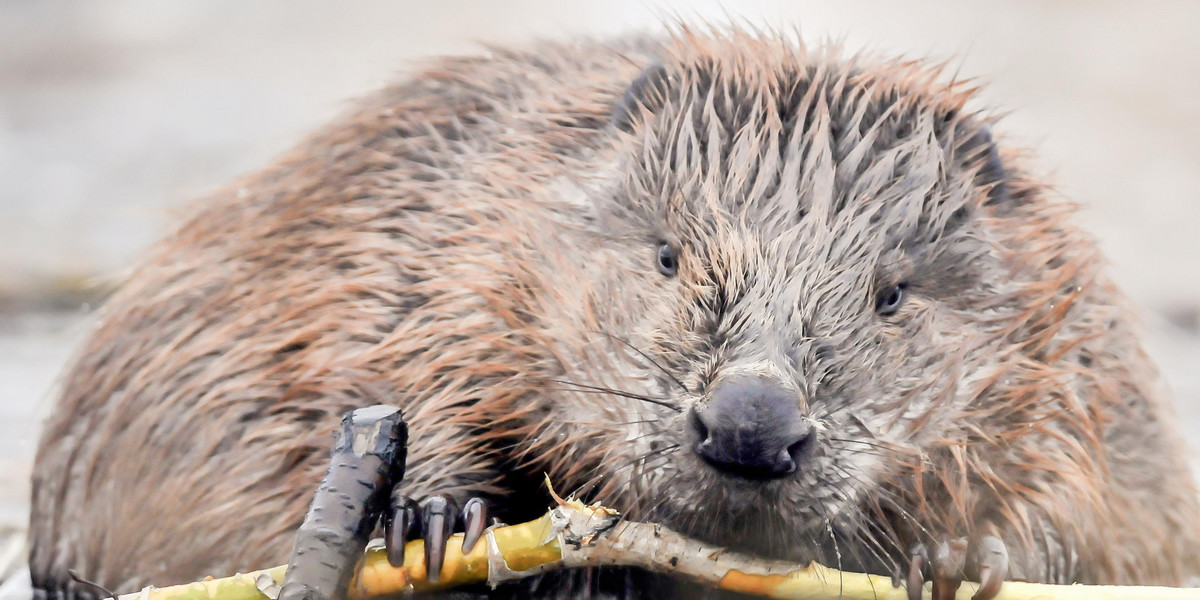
(644, 95)
(980, 149)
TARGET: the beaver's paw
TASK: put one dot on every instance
(434, 520)
(985, 560)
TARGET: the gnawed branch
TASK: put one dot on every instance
(575, 535)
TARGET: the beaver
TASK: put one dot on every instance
(800, 303)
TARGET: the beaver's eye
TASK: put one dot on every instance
(668, 264)
(890, 300)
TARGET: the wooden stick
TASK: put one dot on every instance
(575, 535)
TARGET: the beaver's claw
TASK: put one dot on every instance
(992, 568)
(951, 561)
(434, 519)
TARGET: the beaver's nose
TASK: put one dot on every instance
(752, 427)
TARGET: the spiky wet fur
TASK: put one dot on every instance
(477, 245)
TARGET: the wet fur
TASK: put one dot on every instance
(476, 244)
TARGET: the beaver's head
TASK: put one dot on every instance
(804, 276)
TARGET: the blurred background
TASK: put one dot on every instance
(113, 114)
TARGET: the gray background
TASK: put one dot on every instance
(113, 114)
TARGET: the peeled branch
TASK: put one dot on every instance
(576, 535)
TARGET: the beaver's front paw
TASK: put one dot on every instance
(434, 519)
(985, 560)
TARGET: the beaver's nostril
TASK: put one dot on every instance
(802, 449)
(698, 426)
(785, 462)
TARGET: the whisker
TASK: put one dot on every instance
(603, 423)
(645, 356)
(623, 394)
(837, 550)
(869, 542)
(637, 422)
(609, 471)
(865, 443)
(662, 499)
(887, 496)
(866, 452)
(602, 391)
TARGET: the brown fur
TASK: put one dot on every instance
(477, 242)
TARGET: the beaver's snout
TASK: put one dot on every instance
(752, 427)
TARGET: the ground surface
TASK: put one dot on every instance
(114, 113)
